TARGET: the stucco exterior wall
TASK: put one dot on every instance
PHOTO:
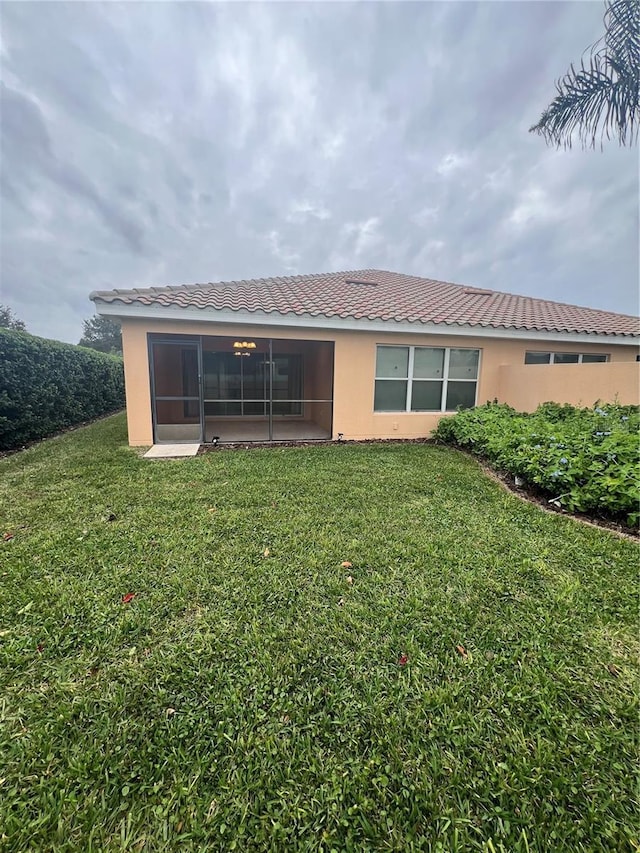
(526, 386)
(137, 383)
(354, 373)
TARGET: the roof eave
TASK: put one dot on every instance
(272, 319)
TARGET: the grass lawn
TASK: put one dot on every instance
(250, 697)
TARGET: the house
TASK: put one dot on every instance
(364, 354)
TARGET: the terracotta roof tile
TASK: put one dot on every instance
(380, 295)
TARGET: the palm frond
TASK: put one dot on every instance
(602, 97)
(622, 30)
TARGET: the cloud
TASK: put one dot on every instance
(171, 143)
(533, 205)
(287, 256)
(302, 210)
(25, 138)
(426, 216)
(332, 145)
(366, 233)
(357, 245)
(451, 163)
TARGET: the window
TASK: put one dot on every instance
(537, 358)
(240, 386)
(190, 382)
(425, 379)
(564, 357)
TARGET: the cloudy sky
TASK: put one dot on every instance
(168, 143)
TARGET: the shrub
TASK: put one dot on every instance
(46, 386)
(585, 460)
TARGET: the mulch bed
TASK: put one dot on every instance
(274, 445)
(529, 493)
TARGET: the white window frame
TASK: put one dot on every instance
(409, 379)
(553, 355)
(607, 357)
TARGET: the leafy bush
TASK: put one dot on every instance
(46, 386)
(586, 460)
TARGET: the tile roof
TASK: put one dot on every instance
(379, 295)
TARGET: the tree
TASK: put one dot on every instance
(602, 98)
(8, 320)
(102, 334)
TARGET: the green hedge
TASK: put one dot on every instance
(46, 386)
(583, 460)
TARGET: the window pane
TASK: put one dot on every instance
(287, 377)
(221, 375)
(588, 358)
(177, 412)
(392, 362)
(253, 376)
(426, 396)
(390, 396)
(428, 363)
(461, 394)
(537, 358)
(222, 409)
(175, 368)
(287, 408)
(463, 364)
(565, 358)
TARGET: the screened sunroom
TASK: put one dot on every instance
(208, 388)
